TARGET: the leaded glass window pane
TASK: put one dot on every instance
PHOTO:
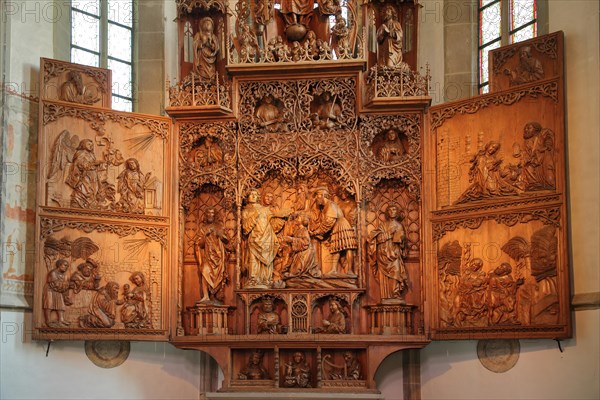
(121, 12)
(523, 34)
(523, 12)
(88, 6)
(80, 56)
(85, 31)
(121, 78)
(484, 64)
(490, 26)
(121, 104)
(119, 42)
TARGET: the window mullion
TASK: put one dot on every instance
(505, 21)
(104, 33)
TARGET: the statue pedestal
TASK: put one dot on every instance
(391, 319)
(208, 319)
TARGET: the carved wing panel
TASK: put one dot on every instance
(103, 245)
(499, 265)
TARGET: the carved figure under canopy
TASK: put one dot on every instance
(55, 294)
(209, 153)
(75, 91)
(392, 149)
(329, 224)
(261, 242)
(296, 15)
(210, 254)
(268, 320)
(538, 161)
(102, 312)
(389, 240)
(269, 115)
(254, 369)
(206, 49)
(328, 112)
(529, 68)
(389, 37)
(135, 313)
(297, 372)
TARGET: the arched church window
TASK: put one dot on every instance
(503, 22)
(102, 36)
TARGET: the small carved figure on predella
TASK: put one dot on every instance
(336, 320)
(349, 370)
(297, 372)
(254, 369)
(268, 321)
(210, 254)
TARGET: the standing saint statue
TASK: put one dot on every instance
(389, 241)
(389, 37)
(261, 242)
(210, 253)
(206, 49)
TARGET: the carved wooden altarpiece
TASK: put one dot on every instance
(310, 214)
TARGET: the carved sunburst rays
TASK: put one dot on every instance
(141, 142)
(408, 168)
(135, 247)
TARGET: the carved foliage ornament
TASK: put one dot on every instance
(97, 119)
(376, 138)
(207, 156)
(440, 115)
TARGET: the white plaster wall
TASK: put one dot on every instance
(152, 371)
(431, 45)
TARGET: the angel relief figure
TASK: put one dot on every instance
(73, 164)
